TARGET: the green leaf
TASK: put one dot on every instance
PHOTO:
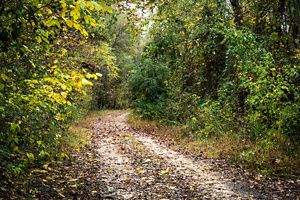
(30, 156)
(4, 77)
(39, 142)
(14, 127)
(43, 154)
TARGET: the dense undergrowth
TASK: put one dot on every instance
(232, 148)
(234, 86)
(54, 55)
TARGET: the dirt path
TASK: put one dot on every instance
(126, 164)
(146, 169)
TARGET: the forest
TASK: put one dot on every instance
(219, 77)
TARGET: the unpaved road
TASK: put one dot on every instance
(123, 163)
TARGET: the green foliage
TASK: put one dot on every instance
(112, 90)
(148, 80)
(227, 75)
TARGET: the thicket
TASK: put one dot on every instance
(52, 52)
(225, 68)
(111, 92)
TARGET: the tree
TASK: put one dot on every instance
(43, 83)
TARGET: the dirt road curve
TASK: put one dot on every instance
(126, 164)
(144, 168)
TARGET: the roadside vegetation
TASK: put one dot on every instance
(231, 148)
(55, 57)
(228, 74)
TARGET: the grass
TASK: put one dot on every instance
(80, 132)
(155, 128)
(277, 157)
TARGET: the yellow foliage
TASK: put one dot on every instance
(85, 82)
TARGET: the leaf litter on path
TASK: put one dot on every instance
(122, 163)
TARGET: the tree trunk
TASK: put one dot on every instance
(295, 22)
(237, 10)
